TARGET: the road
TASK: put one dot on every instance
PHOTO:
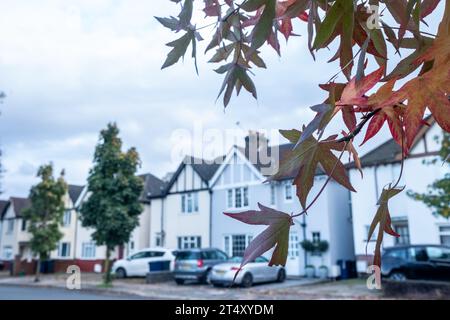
(30, 293)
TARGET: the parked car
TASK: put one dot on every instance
(254, 272)
(419, 262)
(137, 264)
(196, 264)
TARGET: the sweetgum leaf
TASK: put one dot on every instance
(276, 235)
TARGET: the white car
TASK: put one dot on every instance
(253, 272)
(137, 264)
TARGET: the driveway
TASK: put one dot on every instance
(136, 287)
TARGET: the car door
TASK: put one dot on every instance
(440, 258)
(132, 268)
(420, 267)
(262, 271)
(156, 257)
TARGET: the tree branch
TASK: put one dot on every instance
(359, 127)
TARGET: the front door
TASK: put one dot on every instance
(293, 261)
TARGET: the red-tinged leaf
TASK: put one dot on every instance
(303, 161)
(375, 125)
(354, 93)
(349, 117)
(428, 7)
(383, 220)
(304, 16)
(286, 28)
(212, 8)
(350, 148)
(276, 235)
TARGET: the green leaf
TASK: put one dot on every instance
(179, 49)
(383, 219)
(328, 25)
(186, 14)
(252, 5)
(264, 25)
(171, 23)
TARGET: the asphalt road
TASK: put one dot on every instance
(29, 293)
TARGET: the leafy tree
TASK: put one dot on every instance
(399, 95)
(437, 196)
(44, 216)
(112, 208)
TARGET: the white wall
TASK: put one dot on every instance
(423, 226)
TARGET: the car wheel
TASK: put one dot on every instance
(121, 273)
(179, 281)
(281, 275)
(247, 281)
(398, 276)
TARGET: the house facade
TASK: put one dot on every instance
(181, 216)
(239, 185)
(14, 237)
(411, 219)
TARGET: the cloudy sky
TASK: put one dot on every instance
(70, 67)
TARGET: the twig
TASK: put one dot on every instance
(359, 127)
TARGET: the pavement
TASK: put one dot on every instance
(40, 293)
(54, 287)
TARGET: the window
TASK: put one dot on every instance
(64, 249)
(272, 195)
(444, 235)
(235, 245)
(189, 202)
(401, 227)
(7, 253)
(24, 225)
(288, 191)
(10, 226)
(237, 198)
(88, 250)
(294, 247)
(190, 242)
(418, 254)
(230, 198)
(398, 254)
(316, 237)
(66, 218)
(158, 240)
(435, 253)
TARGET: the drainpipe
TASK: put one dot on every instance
(376, 183)
(305, 254)
(210, 217)
(75, 236)
(163, 236)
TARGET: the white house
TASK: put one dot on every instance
(410, 218)
(88, 253)
(238, 185)
(14, 237)
(181, 215)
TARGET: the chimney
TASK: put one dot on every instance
(255, 146)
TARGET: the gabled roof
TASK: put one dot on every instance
(204, 168)
(390, 151)
(153, 187)
(4, 204)
(74, 192)
(19, 205)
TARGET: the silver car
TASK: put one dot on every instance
(253, 272)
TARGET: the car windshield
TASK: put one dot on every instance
(188, 255)
(239, 259)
